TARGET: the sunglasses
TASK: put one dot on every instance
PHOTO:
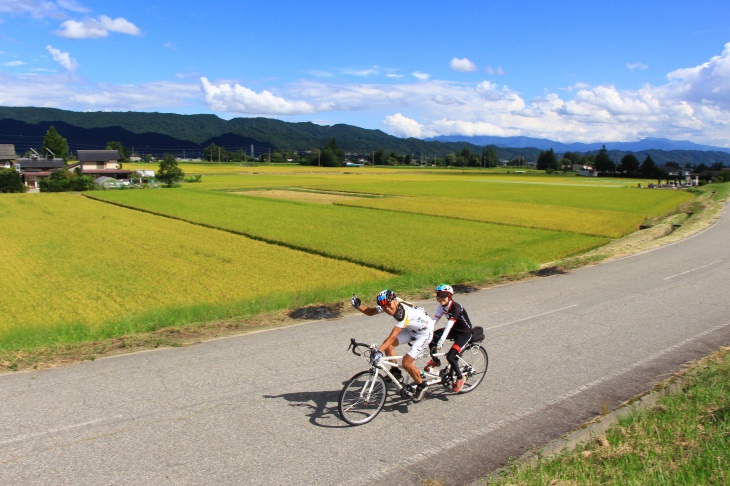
(442, 295)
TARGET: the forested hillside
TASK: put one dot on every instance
(158, 133)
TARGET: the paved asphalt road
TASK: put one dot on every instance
(262, 408)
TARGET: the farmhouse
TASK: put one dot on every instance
(97, 163)
(35, 168)
(7, 156)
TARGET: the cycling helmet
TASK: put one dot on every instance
(385, 297)
(445, 288)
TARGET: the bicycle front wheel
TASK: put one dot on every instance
(362, 398)
(478, 362)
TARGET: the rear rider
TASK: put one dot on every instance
(458, 328)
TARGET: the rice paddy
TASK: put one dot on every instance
(248, 239)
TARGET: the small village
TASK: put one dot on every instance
(103, 166)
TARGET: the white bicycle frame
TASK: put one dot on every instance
(388, 362)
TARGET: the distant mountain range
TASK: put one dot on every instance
(545, 144)
(188, 135)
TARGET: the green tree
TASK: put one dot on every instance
(215, 153)
(328, 158)
(64, 180)
(379, 157)
(119, 148)
(604, 162)
(169, 172)
(490, 158)
(574, 158)
(629, 164)
(58, 181)
(54, 142)
(11, 181)
(547, 160)
(648, 167)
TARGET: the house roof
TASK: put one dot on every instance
(106, 171)
(7, 151)
(40, 163)
(97, 155)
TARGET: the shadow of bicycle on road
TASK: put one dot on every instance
(321, 406)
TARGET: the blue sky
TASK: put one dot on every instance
(568, 70)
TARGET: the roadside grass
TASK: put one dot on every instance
(683, 440)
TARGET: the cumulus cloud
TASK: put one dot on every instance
(239, 99)
(63, 58)
(405, 127)
(462, 65)
(99, 27)
(704, 84)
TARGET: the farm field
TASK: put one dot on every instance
(254, 239)
(78, 268)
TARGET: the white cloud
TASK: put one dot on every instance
(89, 28)
(499, 71)
(239, 99)
(402, 126)
(462, 65)
(63, 58)
(40, 9)
(13, 63)
(420, 75)
(633, 66)
(55, 91)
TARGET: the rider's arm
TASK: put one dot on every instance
(369, 311)
(447, 328)
(391, 339)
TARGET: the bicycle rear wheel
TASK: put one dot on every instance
(478, 362)
(362, 398)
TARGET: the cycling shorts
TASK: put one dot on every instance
(419, 341)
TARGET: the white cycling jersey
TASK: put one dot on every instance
(417, 327)
(411, 317)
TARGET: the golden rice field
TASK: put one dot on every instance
(248, 239)
(68, 259)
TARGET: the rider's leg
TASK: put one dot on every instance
(461, 339)
(453, 358)
(409, 364)
(394, 370)
(434, 362)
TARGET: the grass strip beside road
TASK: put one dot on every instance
(682, 440)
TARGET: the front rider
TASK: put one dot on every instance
(413, 325)
(458, 328)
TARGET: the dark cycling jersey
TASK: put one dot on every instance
(456, 313)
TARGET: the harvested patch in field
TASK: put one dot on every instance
(316, 312)
(305, 196)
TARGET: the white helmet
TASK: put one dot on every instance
(445, 288)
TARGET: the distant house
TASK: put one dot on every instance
(97, 163)
(7, 155)
(35, 168)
